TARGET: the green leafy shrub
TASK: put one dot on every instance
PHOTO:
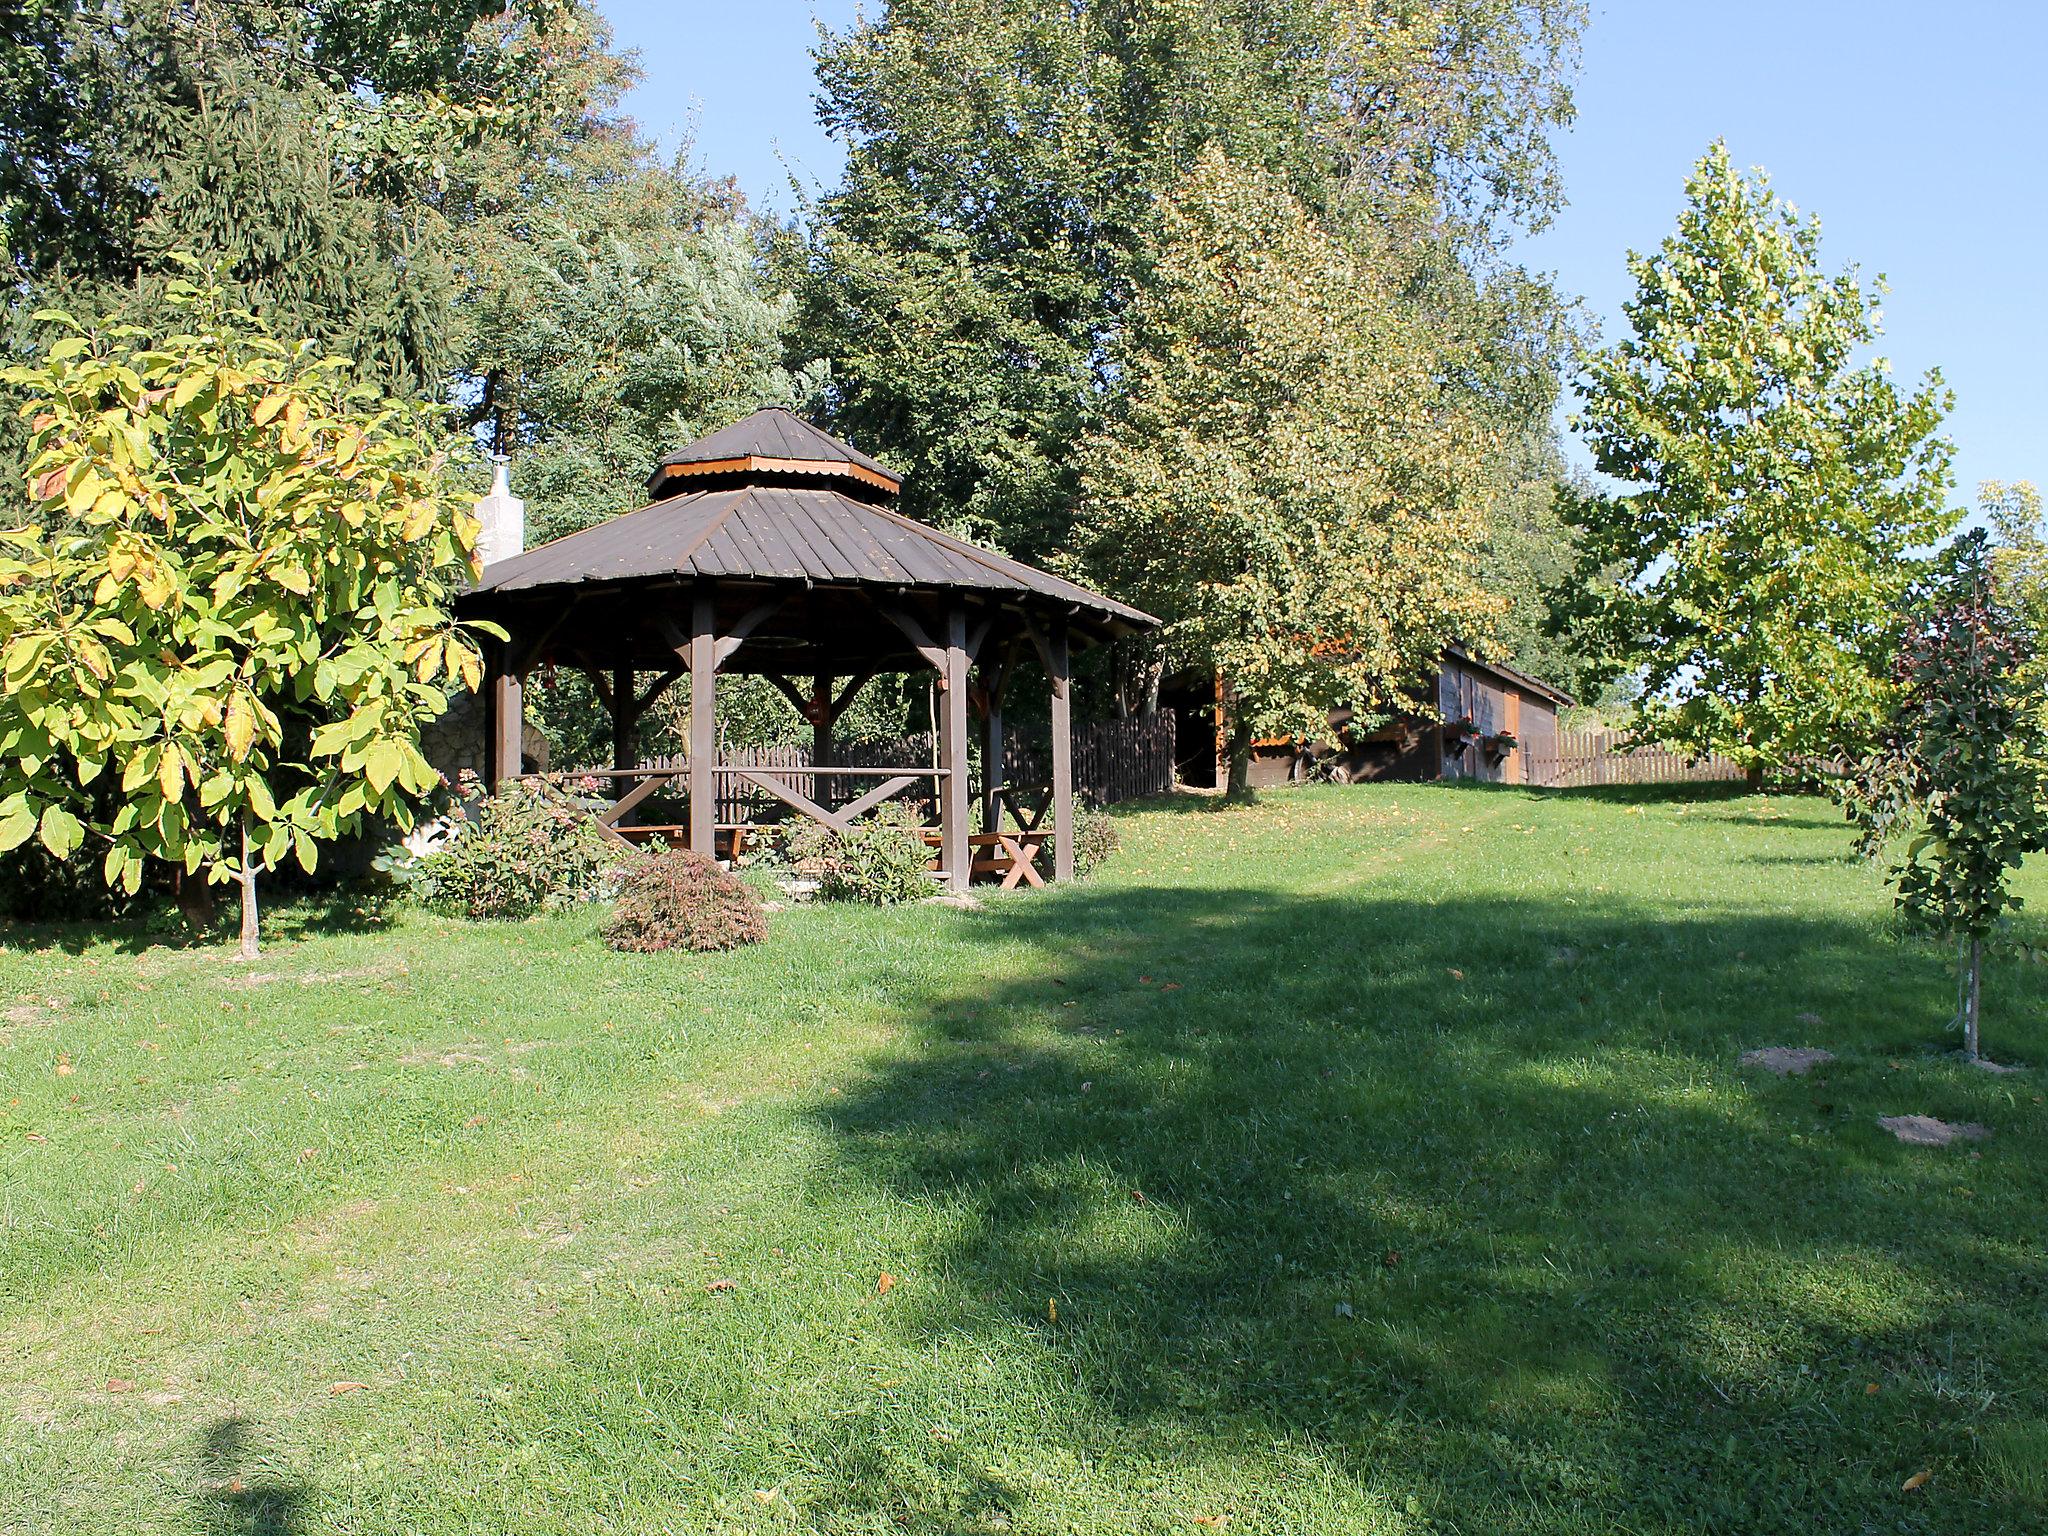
(1095, 839)
(683, 900)
(882, 859)
(518, 853)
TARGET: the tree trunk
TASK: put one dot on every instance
(195, 902)
(249, 946)
(1240, 758)
(1970, 1003)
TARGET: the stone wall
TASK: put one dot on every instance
(455, 742)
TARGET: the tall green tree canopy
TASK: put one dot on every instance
(1783, 488)
(308, 151)
(1285, 484)
(1008, 161)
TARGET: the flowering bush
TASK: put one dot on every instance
(518, 853)
(682, 900)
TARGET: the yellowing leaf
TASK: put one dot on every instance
(240, 727)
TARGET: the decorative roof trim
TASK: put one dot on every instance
(756, 463)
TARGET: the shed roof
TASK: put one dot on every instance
(1522, 680)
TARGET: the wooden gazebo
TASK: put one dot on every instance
(769, 548)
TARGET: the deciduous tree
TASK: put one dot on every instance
(1286, 484)
(234, 598)
(1006, 166)
(1959, 772)
(1781, 487)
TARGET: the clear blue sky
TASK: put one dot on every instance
(1918, 133)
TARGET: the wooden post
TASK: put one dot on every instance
(1062, 753)
(623, 722)
(953, 843)
(504, 716)
(821, 721)
(820, 713)
(992, 762)
(703, 833)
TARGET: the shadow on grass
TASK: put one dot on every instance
(1471, 1199)
(291, 917)
(237, 1495)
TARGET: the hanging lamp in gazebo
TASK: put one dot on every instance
(770, 548)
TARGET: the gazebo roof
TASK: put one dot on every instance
(783, 533)
(771, 442)
(781, 527)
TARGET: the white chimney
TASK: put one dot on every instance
(503, 516)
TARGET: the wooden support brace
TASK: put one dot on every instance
(934, 655)
(875, 796)
(733, 638)
(657, 688)
(789, 795)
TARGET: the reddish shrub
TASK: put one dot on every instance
(682, 900)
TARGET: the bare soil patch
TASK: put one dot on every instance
(1926, 1131)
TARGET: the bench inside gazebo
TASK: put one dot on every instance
(769, 548)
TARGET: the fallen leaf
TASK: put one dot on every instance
(767, 1495)
(342, 1387)
(1870, 1390)
(1392, 1259)
(64, 1067)
(35, 1136)
(1456, 974)
(722, 1285)
(1214, 1522)
(1138, 1195)
(886, 1284)
(1171, 986)
(119, 1384)
(1917, 1480)
(1144, 981)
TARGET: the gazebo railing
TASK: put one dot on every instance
(811, 792)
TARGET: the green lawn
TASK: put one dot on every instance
(1363, 1160)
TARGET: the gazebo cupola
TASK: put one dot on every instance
(772, 447)
(769, 549)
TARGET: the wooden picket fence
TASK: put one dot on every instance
(1113, 759)
(1586, 758)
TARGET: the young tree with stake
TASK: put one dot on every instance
(1959, 767)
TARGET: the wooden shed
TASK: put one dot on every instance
(1495, 719)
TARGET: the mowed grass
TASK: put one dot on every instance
(1362, 1160)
